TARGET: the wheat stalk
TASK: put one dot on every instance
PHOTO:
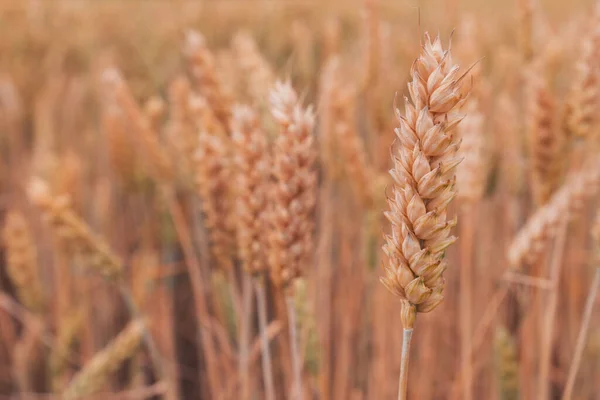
(252, 164)
(587, 316)
(424, 176)
(293, 195)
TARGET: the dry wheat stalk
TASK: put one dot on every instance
(156, 160)
(540, 228)
(202, 69)
(252, 164)
(21, 261)
(580, 117)
(471, 173)
(545, 139)
(293, 196)
(587, 315)
(425, 183)
(93, 375)
(73, 231)
(507, 367)
(293, 193)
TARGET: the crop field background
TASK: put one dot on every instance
(247, 199)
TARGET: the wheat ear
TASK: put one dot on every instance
(251, 161)
(293, 197)
(545, 139)
(424, 176)
(21, 261)
(541, 227)
(74, 232)
(580, 117)
(204, 74)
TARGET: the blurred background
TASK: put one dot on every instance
(120, 273)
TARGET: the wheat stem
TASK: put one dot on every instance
(466, 298)
(403, 381)
(296, 367)
(582, 336)
(245, 332)
(550, 313)
(261, 305)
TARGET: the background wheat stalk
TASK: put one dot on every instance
(293, 196)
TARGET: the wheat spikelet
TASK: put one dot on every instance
(507, 367)
(21, 261)
(202, 68)
(471, 173)
(545, 140)
(213, 177)
(74, 232)
(257, 73)
(424, 176)
(156, 160)
(252, 173)
(293, 193)
(93, 375)
(582, 103)
(539, 229)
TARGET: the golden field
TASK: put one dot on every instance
(267, 199)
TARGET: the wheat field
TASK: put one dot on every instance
(274, 199)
